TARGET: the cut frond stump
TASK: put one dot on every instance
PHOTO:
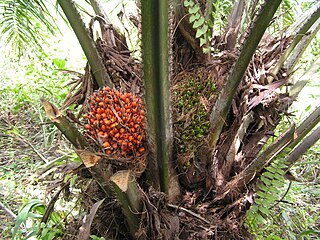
(64, 125)
(128, 194)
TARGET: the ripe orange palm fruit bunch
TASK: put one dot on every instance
(116, 122)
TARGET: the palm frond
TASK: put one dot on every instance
(302, 45)
(156, 80)
(306, 126)
(87, 43)
(301, 31)
(306, 144)
(23, 23)
(304, 79)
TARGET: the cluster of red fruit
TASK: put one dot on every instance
(116, 121)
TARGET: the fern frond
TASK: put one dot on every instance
(269, 193)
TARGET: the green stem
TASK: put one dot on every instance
(222, 105)
(304, 79)
(306, 126)
(301, 46)
(155, 43)
(86, 42)
(299, 35)
(307, 143)
(64, 125)
(128, 194)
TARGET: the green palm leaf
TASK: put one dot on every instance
(22, 23)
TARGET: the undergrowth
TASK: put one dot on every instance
(293, 205)
(29, 145)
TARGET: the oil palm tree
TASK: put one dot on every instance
(212, 101)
